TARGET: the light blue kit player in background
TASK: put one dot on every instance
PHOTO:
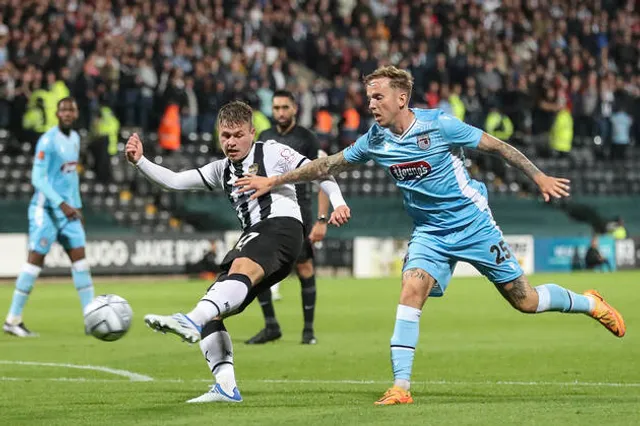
(54, 214)
(422, 151)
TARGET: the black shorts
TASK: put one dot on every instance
(307, 247)
(275, 245)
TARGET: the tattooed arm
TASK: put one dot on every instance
(510, 154)
(317, 169)
(549, 186)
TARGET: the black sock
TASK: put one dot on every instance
(308, 300)
(269, 313)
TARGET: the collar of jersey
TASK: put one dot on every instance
(406, 132)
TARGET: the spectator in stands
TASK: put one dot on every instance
(594, 259)
(621, 123)
(442, 43)
(474, 113)
(189, 116)
(498, 124)
(617, 229)
(206, 268)
(561, 135)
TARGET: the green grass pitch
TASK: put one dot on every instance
(478, 361)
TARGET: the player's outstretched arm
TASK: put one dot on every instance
(161, 176)
(549, 186)
(315, 170)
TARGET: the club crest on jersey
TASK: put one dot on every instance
(414, 170)
(424, 141)
(253, 169)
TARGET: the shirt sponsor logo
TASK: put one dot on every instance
(414, 170)
(69, 167)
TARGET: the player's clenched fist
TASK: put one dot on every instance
(133, 149)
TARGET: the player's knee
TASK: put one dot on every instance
(305, 269)
(248, 267)
(416, 285)
(36, 259)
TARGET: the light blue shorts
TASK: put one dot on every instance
(47, 225)
(480, 243)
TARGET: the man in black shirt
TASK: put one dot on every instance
(289, 133)
(594, 259)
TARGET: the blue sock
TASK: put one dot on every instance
(24, 284)
(82, 281)
(403, 344)
(552, 297)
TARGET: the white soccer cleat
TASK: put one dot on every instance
(216, 394)
(178, 324)
(18, 330)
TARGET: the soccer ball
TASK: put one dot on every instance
(107, 317)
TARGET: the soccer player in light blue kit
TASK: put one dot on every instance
(54, 214)
(422, 151)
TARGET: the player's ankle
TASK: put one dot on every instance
(402, 384)
(13, 319)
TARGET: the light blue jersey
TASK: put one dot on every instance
(54, 172)
(55, 179)
(427, 165)
(449, 209)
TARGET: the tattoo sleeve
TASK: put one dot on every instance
(317, 169)
(510, 154)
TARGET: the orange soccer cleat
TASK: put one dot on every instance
(606, 314)
(395, 395)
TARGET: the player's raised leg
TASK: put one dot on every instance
(24, 284)
(218, 352)
(416, 286)
(554, 298)
(224, 297)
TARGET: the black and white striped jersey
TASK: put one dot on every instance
(268, 158)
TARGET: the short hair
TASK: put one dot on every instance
(66, 99)
(235, 113)
(281, 93)
(398, 78)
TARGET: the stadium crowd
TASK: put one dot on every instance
(553, 71)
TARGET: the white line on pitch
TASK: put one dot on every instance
(335, 382)
(134, 377)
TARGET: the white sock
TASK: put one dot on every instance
(218, 352)
(275, 288)
(223, 297)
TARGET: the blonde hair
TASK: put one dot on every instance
(235, 113)
(398, 79)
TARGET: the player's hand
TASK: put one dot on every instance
(250, 182)
(552, 187)
(133, 150)
(318, 232)
(340, 216)
(70, 212)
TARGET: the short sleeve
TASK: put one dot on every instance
(358, 152)
(211, 174)
(458, 133)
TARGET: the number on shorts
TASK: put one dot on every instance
(244, 240)
(502, 252)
